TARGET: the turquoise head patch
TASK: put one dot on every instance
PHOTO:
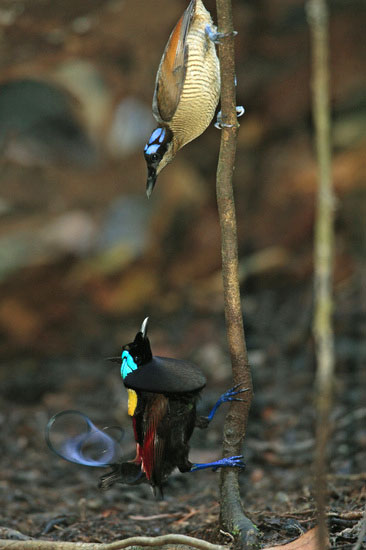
(128, 364)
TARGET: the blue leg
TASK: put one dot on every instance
(232, 462)
(229, 395)
(216, 36)
(240, 110)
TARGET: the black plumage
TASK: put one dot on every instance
(163, 394)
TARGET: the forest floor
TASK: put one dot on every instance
(84, 257)
(44, 497)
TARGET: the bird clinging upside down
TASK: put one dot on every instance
(162, 397)
(187, 88)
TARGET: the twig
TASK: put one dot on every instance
(323, 248)
(155, 516)
(353, 515)
(348, 477)
(362, 533)
(132, 541)
(192, 512)
(231, 512)
(353, 416)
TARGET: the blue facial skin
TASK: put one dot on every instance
(158, 135)
(128, 364)
(149, 149)
(156, 139)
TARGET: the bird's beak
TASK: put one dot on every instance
(151, 179)
(143, 328)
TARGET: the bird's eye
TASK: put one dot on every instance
(154, 157)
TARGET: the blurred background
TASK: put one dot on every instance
(85, 257)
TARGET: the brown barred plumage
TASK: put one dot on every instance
(187, 89)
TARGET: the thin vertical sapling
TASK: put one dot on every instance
(231, 511)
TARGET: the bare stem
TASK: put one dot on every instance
(232, 516)
(323, 253)
(134, 542)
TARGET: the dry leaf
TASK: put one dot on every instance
(308, 541)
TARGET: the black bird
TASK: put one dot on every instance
(162, 398)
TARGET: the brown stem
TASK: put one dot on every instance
(231, 512)
(323, 254)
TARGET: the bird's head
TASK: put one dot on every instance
(143, 372)
(137, 353)
(158, 152)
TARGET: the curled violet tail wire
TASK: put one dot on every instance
(92, 447)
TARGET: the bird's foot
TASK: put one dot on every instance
(240, 110)
(229, 395)
(231, 462)
(215, 36)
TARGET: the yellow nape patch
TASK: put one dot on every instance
(132, 402)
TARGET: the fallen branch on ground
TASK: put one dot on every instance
(126, 543)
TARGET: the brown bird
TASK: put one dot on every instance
(187, 88)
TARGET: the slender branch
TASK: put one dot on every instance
(126, 543)
(361, 534)
(232, 516)
(323, 253)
